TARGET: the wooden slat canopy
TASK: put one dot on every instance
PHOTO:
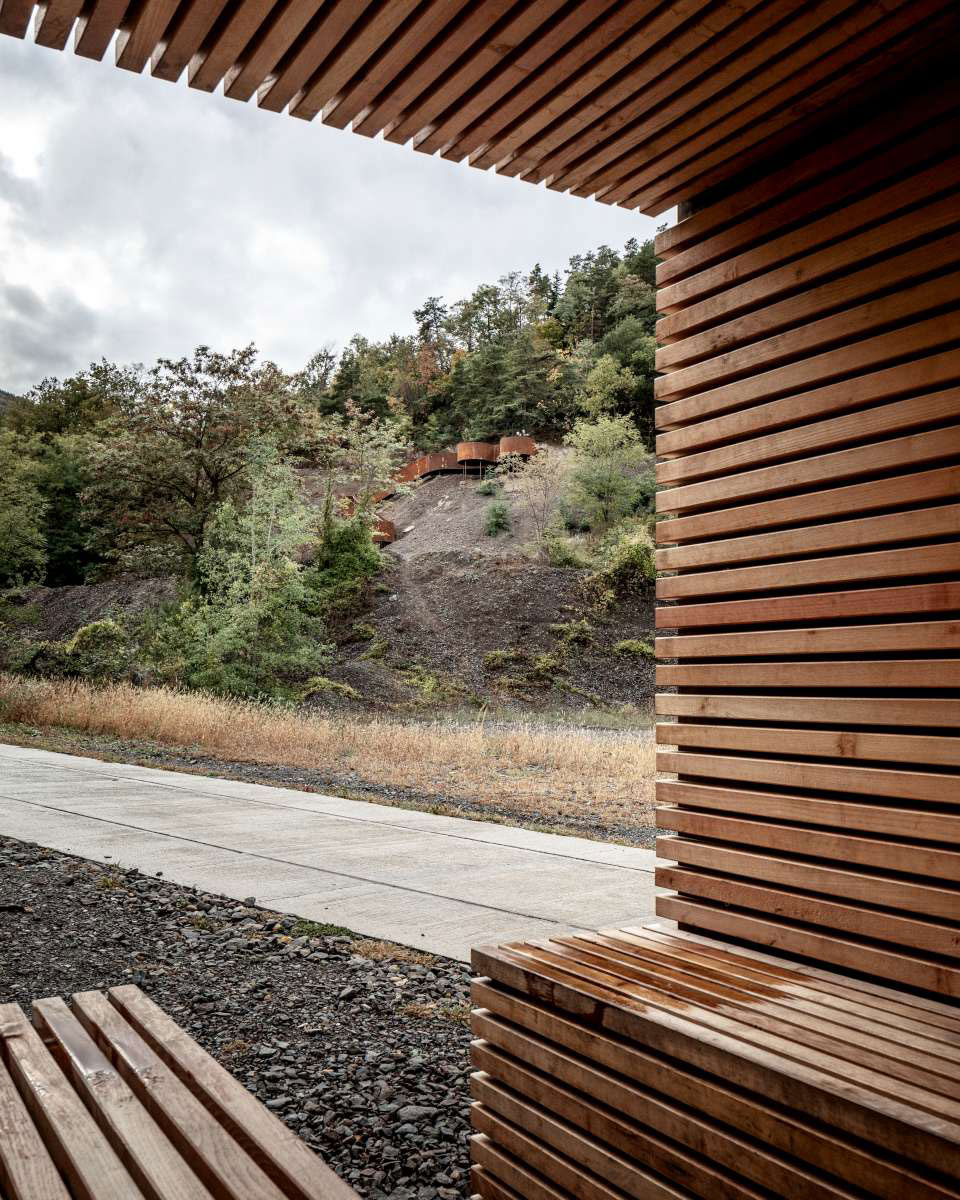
(641, 104)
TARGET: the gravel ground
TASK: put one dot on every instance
(359, 1046)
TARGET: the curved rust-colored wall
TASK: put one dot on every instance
(385, 531)
(519, 444)
(481, 452)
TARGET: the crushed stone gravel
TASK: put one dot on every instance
(361, 1047)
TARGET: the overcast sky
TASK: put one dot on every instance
(139, 218)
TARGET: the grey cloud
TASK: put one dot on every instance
(41, 337)
(192, 218)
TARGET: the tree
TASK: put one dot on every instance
(539, 486)
(254, 629)
(163, 465)
(608, 473)
(606, 387)
(22, 512)
(74, 405)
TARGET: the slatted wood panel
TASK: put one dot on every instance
(108, 1099)
(809, 550)
(639, 104)
(649, 1063)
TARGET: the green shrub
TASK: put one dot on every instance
(563, 553)
(634, 648)
(346, 559)
(546, 667)
(362, 631)
(496, 660)
(627, 567)
(377, 648)
(488, 487)
(99, 651)
(573, 633)
(320, 685)
(497, 519)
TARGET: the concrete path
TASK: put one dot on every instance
(442, 884)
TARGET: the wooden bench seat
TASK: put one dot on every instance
(109, 1099)
(654, 1063)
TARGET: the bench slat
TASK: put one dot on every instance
(142, 1146)
(79, 1148)
(690, 1106)
(289, 1163)
(779, 1063)
(27, 1172)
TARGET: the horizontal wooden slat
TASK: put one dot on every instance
(906, 526)
(915, 599)
(923, 899)
(814, 710)
(890, 856)
(913, 970)
(928, 786)
(762, 360)
(855, 161)
(771, 1065)
(862, 427)
(899, 453)
(870, 225)
(818, 84)
(613, 1166)
(942, 558)
(772, 316)
(731, 1152)
(558, 1045)
(935, 1018)
(849, 919)
(854, 358)
(849, 673)
(839, 744)
(866, 1042)
(866, 639)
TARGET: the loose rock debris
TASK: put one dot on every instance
(359, 1046)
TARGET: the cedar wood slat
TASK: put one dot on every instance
(696, 1110)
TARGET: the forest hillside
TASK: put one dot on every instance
(205, 523)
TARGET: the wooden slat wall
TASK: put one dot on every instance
(809, 550)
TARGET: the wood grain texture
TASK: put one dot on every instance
(640, 104)
(810, 556)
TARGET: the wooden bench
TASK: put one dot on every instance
(109, 1099)
(663, 1065)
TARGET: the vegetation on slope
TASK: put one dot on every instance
(192, 471)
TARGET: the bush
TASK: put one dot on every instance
(496, 660)
(320, 685)
(627, 566)
(346, 559)
(488, 487)
(497, 518)
(634, 648)
(572, 633)
(561, 552)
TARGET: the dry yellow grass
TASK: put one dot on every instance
(548, 773)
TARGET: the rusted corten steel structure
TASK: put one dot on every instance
(799, 1035)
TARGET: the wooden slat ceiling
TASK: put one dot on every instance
(637, 103)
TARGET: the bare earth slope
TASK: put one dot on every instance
(465, 618)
